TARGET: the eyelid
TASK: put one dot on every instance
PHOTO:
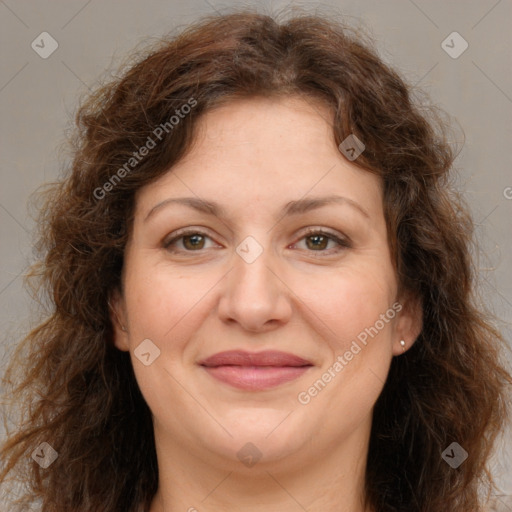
(182, 232)
(341, 240)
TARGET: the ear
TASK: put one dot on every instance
(117, 313)
(409, 323)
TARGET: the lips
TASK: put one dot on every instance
(255, 371)
(267, 358)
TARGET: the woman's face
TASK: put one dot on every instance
(260, 300)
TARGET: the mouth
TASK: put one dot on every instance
(255, 371)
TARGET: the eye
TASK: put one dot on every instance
(315, 240)
(189, 241)
(319, 240)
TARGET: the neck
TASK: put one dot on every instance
(326, 479)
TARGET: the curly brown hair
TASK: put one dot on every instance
(77, 392)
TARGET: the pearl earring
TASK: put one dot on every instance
(402, 343)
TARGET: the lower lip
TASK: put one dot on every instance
(254, 378)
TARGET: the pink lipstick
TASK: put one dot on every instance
(255, 371)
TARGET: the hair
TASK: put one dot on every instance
(77, 392)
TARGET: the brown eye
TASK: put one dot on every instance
(189, 241)
(321, 241)
(193, 242)
(317, 242)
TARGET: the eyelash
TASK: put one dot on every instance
(343, 243)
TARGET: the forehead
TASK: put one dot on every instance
(269, 150)
(266, 128)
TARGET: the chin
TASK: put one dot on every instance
(262, 434)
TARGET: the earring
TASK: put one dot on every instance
(402, 343)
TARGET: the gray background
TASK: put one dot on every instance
(38, 98)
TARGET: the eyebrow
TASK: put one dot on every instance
(297, 207)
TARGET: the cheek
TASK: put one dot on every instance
(348, 304)
(163, 304)
(355, 315)
(166, 309)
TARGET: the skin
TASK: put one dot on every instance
(254, 156)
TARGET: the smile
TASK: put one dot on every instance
(255, 371)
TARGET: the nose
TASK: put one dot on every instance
(255, 296)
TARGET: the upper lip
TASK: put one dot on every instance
(265, 358)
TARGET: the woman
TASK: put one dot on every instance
(262, 290)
